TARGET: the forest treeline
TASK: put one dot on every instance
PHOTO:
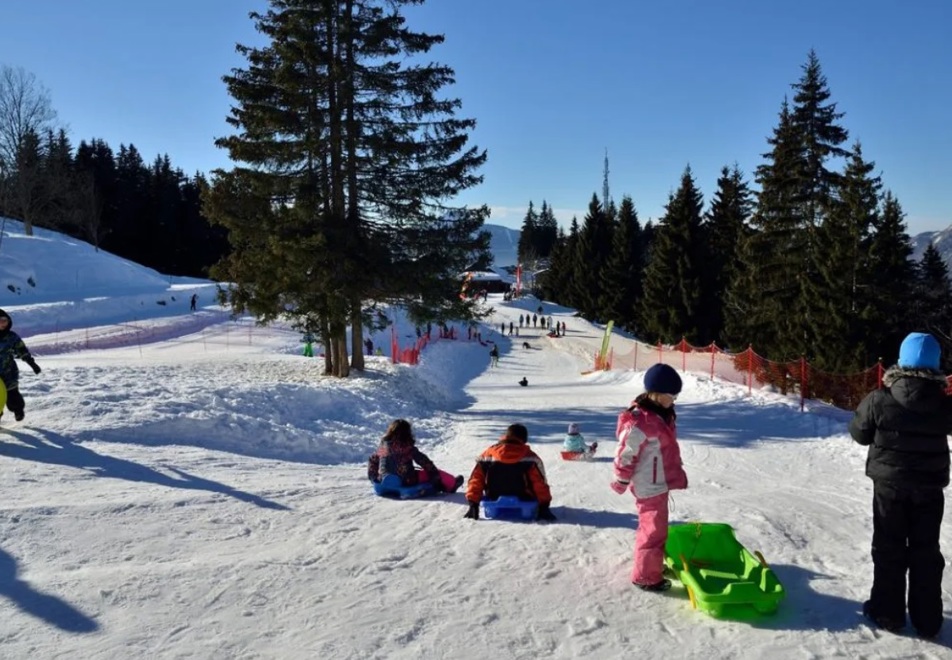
(815, 263)
(348, 154)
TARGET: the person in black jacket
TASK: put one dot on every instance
(11, 346)
(905, 425)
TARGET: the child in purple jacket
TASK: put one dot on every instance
(648, 463)
(397, 454)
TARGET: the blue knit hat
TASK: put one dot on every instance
(919, 350)
(663, 379)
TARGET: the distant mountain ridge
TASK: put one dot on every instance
(942, 240)
(504, 246)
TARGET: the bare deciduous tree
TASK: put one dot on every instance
(25, 109)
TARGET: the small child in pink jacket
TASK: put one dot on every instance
(648, 463)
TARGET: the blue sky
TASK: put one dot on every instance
(552, 84)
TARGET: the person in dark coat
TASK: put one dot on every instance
(905, 425)
(12, 347)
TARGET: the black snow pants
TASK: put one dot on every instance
(906, 523)
(15, 401)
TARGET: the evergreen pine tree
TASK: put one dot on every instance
(842, 314)
(933, 301)
(556, 282)
(547, 230)
(590, 253)
(94, 214)
(527, 252)
(671, 304)
(350, 156)
(773, 302)
(814, 119)
(622, 275)
(726, 230)
(892, 275)
(766, 302)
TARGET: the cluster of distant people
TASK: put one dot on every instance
(556, 328)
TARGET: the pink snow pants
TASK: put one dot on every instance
(448, 480)
(650, 538)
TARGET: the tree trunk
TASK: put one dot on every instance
(328, 353)
(356, 337)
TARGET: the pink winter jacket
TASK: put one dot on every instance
(648, 455)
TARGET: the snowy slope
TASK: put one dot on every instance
(201, 493)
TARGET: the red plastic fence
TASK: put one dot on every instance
(752, 370)
(411, 354)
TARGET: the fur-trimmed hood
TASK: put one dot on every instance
(895, 372)
(915, 388)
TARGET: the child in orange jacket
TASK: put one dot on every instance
(509, 468)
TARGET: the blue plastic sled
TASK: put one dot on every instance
(510, 508)
(392, 486)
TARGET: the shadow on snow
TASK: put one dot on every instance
(45, 607)
(55, 449)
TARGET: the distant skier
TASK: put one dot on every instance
(494, 356)
(12, 347)
(194, 302)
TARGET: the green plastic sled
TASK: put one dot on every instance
(721, 576)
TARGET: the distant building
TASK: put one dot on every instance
(475, 281)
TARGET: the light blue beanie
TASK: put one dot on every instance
(919, 350)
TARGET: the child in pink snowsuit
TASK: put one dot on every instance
(648, 463)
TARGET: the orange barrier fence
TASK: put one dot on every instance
(752, 370)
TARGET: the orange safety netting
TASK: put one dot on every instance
(752, 370)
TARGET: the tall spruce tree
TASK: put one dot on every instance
(96, 173)
(774, 302)
(349, 157)
(589, 256)
(674, 275)
(622, 275)
(556, 281)
(892, 274)
(814, 119)
(551, 281)
(933, 301)
(763, 295)
(547, 230)
(726, 231)
(527, 251)
(843, 315)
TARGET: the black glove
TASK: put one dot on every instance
(33, 365)
(473, 511)
(545, 514)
